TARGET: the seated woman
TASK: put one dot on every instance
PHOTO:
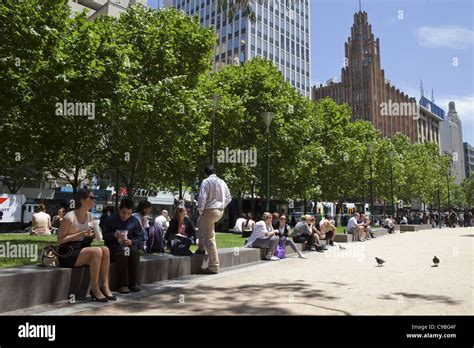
(41, 222)
(264, 236)
(318, 235)
(180, 224)
(284, 231)
(247, 226)
(76, 234)
(327, 230)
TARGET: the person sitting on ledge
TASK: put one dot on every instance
(124, 236)
(264, 237)
(356, 227)
(328, 230)
(304, 233)
(284, 231)
(389, 224)
(247, 226)
(180, 224)
(76, 234)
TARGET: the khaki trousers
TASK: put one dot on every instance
(207, 235)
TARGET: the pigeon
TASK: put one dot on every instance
(435, 261)
(341, 247)
(379, 261)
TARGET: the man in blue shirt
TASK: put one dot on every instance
(125, 251)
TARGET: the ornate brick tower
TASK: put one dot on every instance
(364, 87)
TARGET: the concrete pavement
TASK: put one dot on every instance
(338, 282)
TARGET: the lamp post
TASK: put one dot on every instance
(391, 154)
(267, 119)
(215, 103)
(439, 200)
(370, 150)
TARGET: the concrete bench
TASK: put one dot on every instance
(414, 228)
(27, 286)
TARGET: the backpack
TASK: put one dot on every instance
(280, 251)
(180, 246)
(155, 242)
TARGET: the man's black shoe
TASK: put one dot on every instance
(124, 290)
(134, 288)
(331, 243)
(207, 271)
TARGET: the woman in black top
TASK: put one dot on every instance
(284, 231)
(180, 224)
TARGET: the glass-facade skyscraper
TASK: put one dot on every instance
(280, 34)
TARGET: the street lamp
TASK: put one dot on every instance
(370, 150)
(267, 119)
(215, 103)
(448, 172)
(391, 154)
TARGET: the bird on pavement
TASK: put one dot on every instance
(341, 247)
(379, 261)
(435, 261)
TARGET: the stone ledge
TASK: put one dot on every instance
(414, 228)
(28, 286)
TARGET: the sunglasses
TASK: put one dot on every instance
(92, 197)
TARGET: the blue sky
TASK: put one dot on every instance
(418, 39)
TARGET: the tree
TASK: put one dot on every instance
(344, 165)
(156, 123)
(246, 91)
(468, 188)
(31, 46)
(231, 8)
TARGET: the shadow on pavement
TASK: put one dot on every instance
(437, 298)
(248, 299)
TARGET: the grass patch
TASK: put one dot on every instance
(223, 240)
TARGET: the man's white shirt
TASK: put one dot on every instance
(214, 194)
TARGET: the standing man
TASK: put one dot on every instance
(214, 196)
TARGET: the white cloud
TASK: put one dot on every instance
(453, 37)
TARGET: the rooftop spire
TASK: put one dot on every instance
(422, 92)
(432, 96)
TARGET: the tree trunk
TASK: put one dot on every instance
(304, 206)
(239, 204)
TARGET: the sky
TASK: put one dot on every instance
(432, 40)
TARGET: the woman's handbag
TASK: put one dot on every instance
(280, 251)
(180, 246)
(51, 254)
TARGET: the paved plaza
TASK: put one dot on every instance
(338, 282)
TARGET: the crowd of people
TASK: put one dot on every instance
(449, 218)
(127, 232)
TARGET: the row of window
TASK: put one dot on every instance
(297, 80)
(291, 32)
